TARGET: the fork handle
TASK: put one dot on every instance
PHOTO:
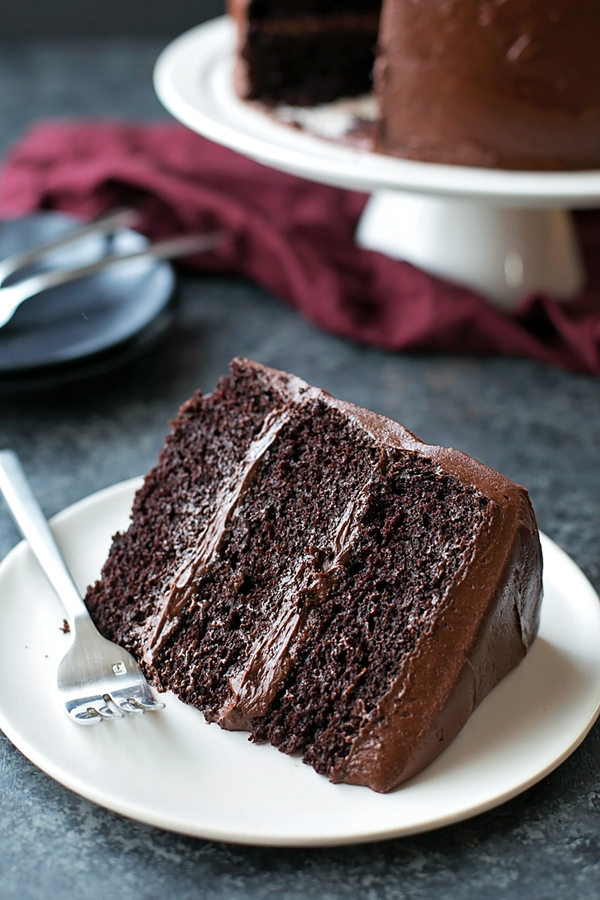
(34, 527)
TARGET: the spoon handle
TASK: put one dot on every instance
(12, 296)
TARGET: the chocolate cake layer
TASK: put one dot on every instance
(310, 572)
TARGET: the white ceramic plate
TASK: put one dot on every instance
(171, 770)
(193, 80)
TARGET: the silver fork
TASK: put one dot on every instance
(96, 679)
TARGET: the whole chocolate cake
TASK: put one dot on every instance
(312, 573)
(476, 82)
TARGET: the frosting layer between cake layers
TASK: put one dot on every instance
(311, 572)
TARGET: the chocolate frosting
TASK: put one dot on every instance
(480, 82)
(254, 687)
(200, 557)
(321, 24)
(486, 626)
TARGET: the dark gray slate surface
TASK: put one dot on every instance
(539, 426)
(41, 18)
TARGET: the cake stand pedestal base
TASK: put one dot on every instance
(501, 252)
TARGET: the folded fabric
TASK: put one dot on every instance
(293, 237)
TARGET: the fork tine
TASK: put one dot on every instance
(133, 704)
(148, 705)
(107, 713)
(127, 705)
(85, 714)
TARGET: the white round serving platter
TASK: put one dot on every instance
(171, 770)
(193, 80)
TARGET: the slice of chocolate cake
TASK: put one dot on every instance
(311, 572)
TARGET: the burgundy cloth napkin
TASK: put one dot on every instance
(293, 237)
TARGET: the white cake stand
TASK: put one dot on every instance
(500, 232)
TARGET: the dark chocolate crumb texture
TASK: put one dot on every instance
(312, 573)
